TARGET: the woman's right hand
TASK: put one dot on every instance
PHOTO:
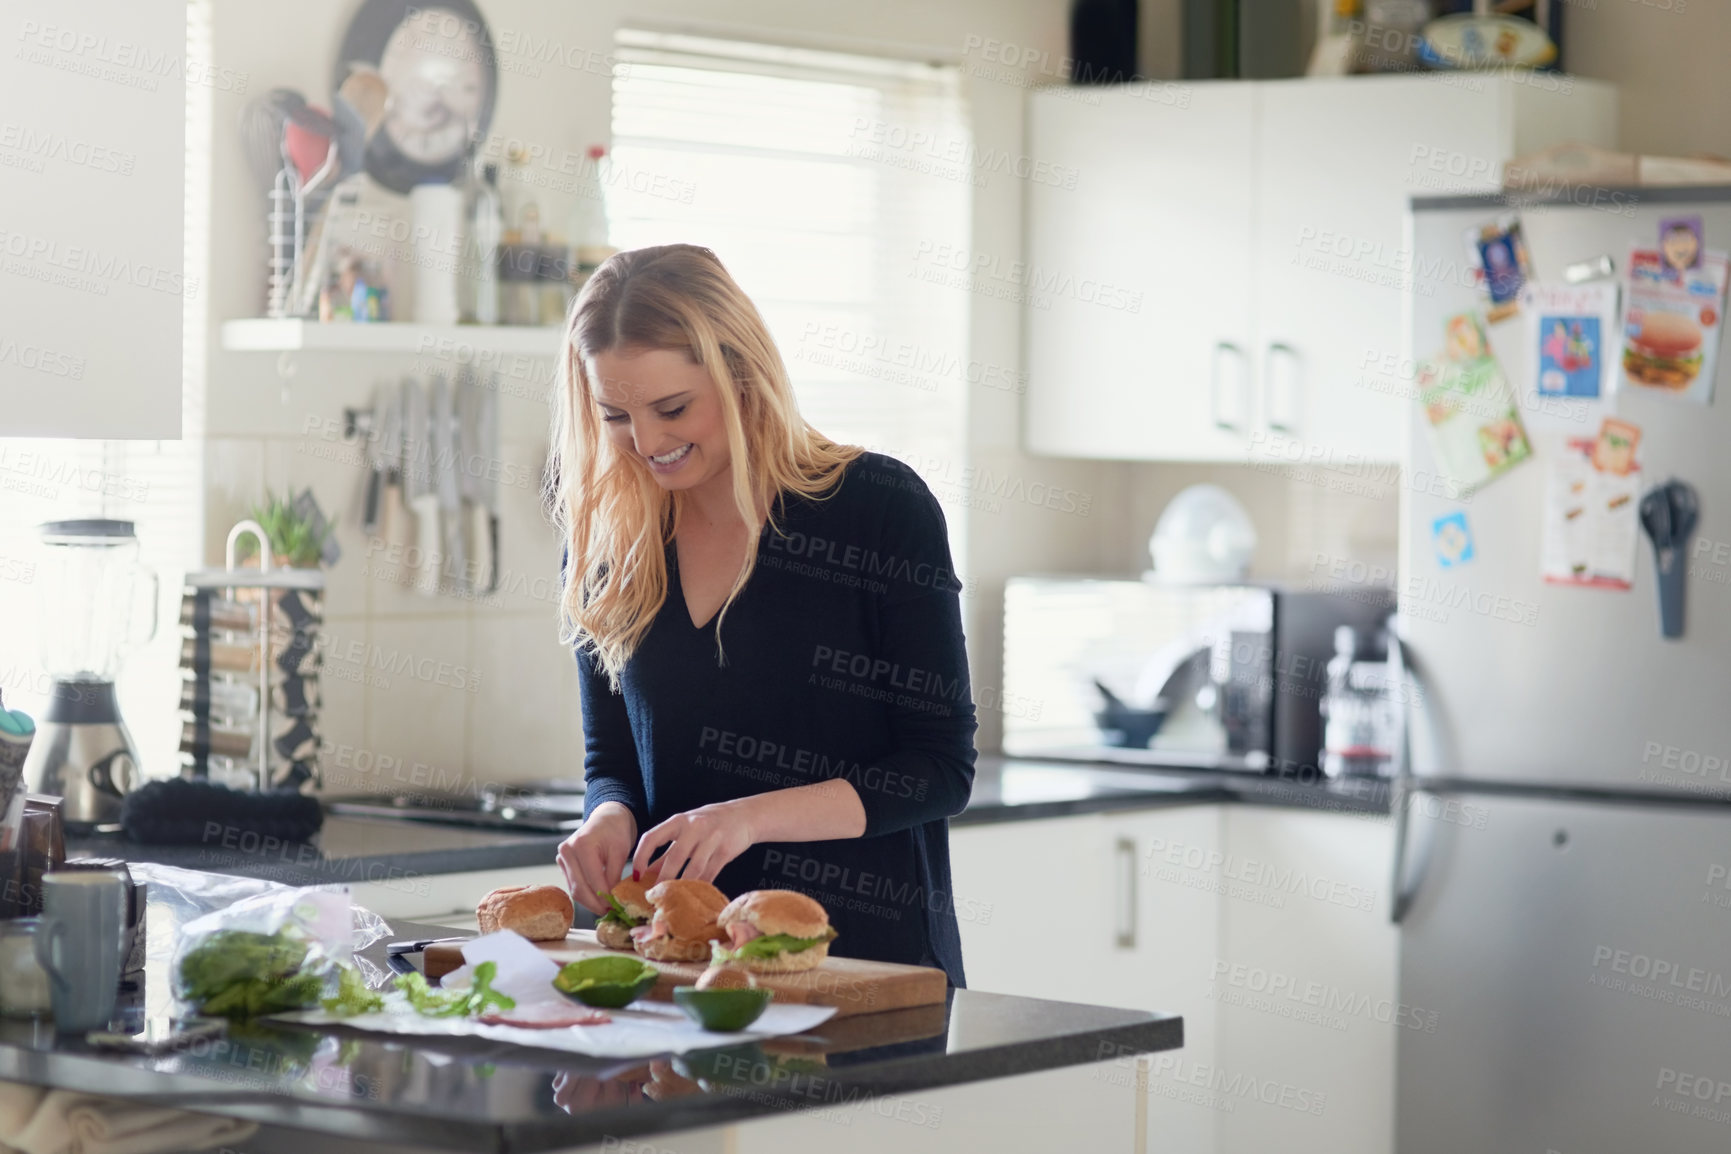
(594, 857)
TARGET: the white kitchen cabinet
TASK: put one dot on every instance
(1092, 909)
(1266, 928)
(1262, 227)
(1022, 883)
(1337, 160)
(1305, 983)
(91, 279)
(1070, 908)
(1137, 326)
(1090, 1107)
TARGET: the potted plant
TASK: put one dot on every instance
(297, 530)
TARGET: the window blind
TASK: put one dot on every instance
(818, 178)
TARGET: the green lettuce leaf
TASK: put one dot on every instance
(477, 999)
(618, 914)
(353, 995)
(770, 945)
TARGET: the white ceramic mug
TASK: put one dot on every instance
(83, 933)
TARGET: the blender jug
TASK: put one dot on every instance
(89, 585)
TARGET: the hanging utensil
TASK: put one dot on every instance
(449, 573)
(1669, 514)
(375, 465)
(309, 147)
(261, 122)
(488, 484)
(470, 474)
(419, 489)
(391, 516)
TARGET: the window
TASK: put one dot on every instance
(811, 175)
(157, 485)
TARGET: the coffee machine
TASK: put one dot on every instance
(89, 580)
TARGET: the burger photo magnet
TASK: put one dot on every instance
(1671, 323)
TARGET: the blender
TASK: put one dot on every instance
(89, 584)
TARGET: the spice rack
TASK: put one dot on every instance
(250, 662)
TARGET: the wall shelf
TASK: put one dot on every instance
(265, 334)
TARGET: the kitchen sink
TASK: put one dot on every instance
(553, 806)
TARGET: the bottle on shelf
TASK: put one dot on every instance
(588, 227)
(486, 233)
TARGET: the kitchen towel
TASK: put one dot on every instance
(38, 1121)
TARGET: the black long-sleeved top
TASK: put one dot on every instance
(844, 658)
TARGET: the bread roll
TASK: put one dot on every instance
(539, 913)
(613, 935)
(683, 924)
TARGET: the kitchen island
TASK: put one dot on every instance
(1188, 876)
(981, 1071)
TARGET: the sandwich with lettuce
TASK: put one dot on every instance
(628, 908)
(774, 932)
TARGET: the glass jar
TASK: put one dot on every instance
(23, 981)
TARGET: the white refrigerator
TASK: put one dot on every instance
(1563, 882)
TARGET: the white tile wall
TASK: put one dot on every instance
(516, 728)
(418, 705)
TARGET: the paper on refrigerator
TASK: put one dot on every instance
(1475, 427)
(1671, 324)
(1573, 333)
(1592, 512)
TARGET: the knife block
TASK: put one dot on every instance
(250, 664)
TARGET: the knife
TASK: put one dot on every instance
(390, 433)
(473, 467)
(375, 464)
(419, 944)
(422, 496)
(394, 952)
(449, 573)
(488, 482)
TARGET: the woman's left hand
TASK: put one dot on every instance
(699, 841)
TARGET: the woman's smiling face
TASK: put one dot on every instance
(663, 409)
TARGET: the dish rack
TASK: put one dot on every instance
(250, 660)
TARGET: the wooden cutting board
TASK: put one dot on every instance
(851, 985)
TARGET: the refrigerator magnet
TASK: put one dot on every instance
(1501, 266)
(1614, 450)
(1671, 325)
(1681, 241)
(1452, 539)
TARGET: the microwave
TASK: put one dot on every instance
(1130, 671)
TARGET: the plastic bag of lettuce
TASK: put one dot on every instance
(272, 953)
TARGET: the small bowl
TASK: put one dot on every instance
(608, 981)
(722, 1010)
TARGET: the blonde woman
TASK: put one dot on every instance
(774, 678)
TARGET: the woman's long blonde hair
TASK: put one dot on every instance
(614, 519)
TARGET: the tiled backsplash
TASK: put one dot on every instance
(422, 694)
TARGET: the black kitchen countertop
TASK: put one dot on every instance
(365, 849)
(346, 1090)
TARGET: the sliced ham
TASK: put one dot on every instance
(650, 932)
(547, 1017)
(742, 933)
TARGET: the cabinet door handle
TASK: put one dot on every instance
(1228, 362)
(1125, 868)
(1282, 374)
